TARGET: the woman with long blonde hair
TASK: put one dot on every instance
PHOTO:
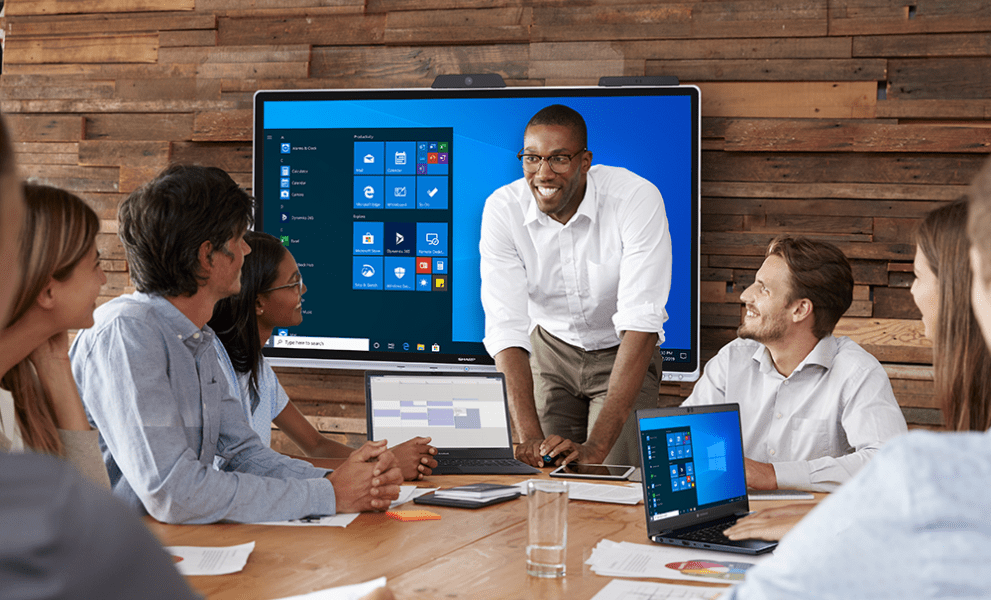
(61, 278)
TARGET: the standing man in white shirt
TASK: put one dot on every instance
(576, 269)
(814, 407)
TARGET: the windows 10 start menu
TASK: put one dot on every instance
(367, 213)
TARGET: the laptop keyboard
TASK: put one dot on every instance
(479, 462)
(711, 534)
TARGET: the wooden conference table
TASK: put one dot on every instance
(471, 554)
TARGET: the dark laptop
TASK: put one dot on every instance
(694, 479)
(465, 414)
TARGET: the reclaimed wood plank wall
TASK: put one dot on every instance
(845, 120)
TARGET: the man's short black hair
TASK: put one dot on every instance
(164, 223)
(564, 116)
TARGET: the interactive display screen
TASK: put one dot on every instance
(378, 194)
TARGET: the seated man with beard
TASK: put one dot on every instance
(814, 407)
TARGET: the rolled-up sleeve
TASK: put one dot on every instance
(504, 279)
(132, 383)
(645, 268)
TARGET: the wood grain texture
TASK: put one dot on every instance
(342, 30)
(797, 100)
(486, 25)
(466, 554)
(805, 70)
(135, 48)
(847, 120)
(923, 46)
(679, 20)
(117, 21)
(850, 136)
(411, 66)
(939, 78)
(112, 153)
(888, 17)
(756, 50)
(62, 7)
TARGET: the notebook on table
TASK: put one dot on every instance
(693, 476)
(465, 414)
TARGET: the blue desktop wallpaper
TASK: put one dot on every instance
(709, 430)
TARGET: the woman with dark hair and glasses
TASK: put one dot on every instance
(272, 297)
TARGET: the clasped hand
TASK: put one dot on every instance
(368, 480)
(416, 458)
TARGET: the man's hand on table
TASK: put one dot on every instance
(561, 451)
(770, 523)
(368, 480)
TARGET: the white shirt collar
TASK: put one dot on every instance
(822, 355)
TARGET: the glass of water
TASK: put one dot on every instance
(547, 527)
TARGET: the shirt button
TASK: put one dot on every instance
(772, 452)
(196, 335)
(778, 416)
(786, 382)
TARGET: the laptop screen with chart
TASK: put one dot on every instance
(456, 410)
(466, 415)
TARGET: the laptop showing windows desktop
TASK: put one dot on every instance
(694, 478)
(465, 414)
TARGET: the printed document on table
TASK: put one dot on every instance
(599, 492)
(624, 589)
(344, 592)
(197, 560)
(626, 559)
(406, 493)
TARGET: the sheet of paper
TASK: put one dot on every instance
(341, 520)
(624, 589)
(779, 495)
(344, 592)
(631, 493)
(406, 493)
(626, 559)
(197, 560)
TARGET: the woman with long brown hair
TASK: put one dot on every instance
(961, 360)
(61, 278)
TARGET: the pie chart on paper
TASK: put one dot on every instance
(726, 571)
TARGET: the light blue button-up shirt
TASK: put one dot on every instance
(260, 408)
(152, 385)
(914, 523)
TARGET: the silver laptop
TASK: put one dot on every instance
(693, 476)
(465, 414)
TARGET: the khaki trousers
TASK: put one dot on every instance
(570, 385)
